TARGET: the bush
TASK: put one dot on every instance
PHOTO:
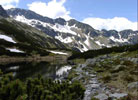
(94, 53)
(128, 78)
(106, 78)
(128, 63)
(39, 89)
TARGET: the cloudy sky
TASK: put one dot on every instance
(100, 14)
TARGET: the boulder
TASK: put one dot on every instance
(101, 96)
(132, 86)
(118, 95)
(91, 61)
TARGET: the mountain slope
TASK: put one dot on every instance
(3, 13)
(22, 39)
(76, 34)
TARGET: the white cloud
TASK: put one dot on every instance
(117, 23)
(52, 9)
(7, 4)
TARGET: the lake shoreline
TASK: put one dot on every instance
(7, 59)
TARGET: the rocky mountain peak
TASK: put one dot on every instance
(3, 13)
(60, 21)
(29, 15)
(75, 34)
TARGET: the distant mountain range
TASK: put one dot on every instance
(74, 34)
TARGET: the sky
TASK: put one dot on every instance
(100, 14)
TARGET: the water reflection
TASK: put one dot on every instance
(24, 70)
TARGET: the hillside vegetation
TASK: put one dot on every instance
(28, 39)
(95, 53)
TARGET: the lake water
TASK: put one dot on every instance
(25, 70)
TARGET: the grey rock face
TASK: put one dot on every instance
(3, 13)
(61, 21)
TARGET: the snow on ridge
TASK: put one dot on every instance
(63, 28)
(119, 35)
(21, 18)
(130, 35)
(100, 44)
(66, 40)
(14, 50)
(7, 38)
(84, 47)
(58, 52)
(87, 40)
(56, 27)
(118, 40)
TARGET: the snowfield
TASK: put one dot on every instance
(56, 27)
(7, 38)
(14, 50)
(57, 52)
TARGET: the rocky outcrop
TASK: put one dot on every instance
(3, 13)
(104, 76)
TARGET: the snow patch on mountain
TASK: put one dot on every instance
(23, 19)
(7, 38)
(87, 42)
(31, 22)
(14, 68)
(84, 48)
(81, 49)
(63, 28)
(100, 44)
(65, 40)
(121, 40)
(15, 50)
(56, 27)
(131, 35)
(119, 35)
(58, 52)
